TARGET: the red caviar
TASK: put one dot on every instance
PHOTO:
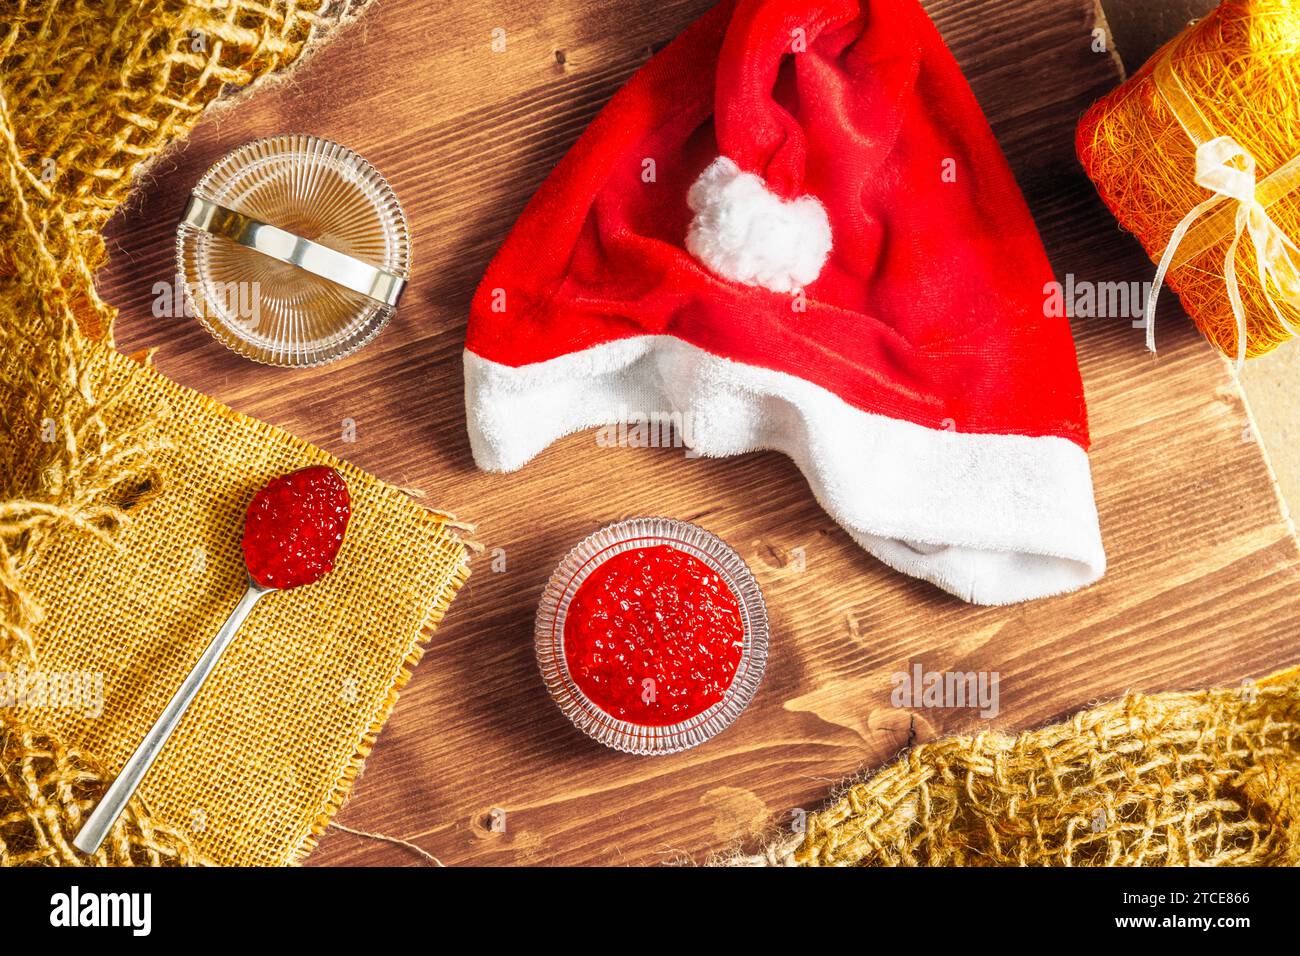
(653, 636)
(295, 526)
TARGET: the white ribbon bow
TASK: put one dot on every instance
(1215, 170)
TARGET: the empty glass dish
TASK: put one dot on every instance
(293, 251)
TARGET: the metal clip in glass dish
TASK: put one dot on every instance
(293, 251)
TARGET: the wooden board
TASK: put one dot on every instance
(1204, 580)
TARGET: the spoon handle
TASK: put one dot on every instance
(104, 815)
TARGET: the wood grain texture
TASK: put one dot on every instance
(1202, 587)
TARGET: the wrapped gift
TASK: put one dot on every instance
(1198, 154)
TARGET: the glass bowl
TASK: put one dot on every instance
(269, 310)
(578, 565)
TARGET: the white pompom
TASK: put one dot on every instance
(748, 234)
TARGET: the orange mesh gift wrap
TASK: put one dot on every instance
(1235, 73)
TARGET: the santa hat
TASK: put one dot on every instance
(794, 228)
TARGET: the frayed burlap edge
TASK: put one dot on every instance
(353, 768)
(338, 17)
(45, 785)
(1186, 778)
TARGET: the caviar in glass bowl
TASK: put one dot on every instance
(652, 635)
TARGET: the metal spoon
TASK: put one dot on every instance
(105, 814)
(330, 515)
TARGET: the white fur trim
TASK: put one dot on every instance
(993, 519)
(745, 233)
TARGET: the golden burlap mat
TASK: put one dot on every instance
(1177, 779)
(268, 749)
(122, 494)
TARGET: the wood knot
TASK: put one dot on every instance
(489, 823)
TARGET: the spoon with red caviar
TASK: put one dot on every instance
(292, 533)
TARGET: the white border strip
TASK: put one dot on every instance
(993, 519)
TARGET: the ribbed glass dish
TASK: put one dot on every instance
(273, 312)
(578, 565)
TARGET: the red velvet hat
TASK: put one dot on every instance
(794, 228)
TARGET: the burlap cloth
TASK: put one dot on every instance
(122, 494)
(1207, 778)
